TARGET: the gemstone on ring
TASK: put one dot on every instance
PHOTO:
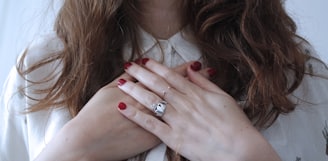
(159, 108)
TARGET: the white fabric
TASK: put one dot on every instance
(157, 153)
(295, 136)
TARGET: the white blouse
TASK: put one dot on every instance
(296, 136)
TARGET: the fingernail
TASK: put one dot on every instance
(122, 106)
(127, 65)
(121, 82)
(211, 72)
(144, 61)
(196, 66)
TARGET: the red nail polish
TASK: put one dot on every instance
(211, 72)
(121, 82)
(127, 65)
(196, 66)
(144, 61)
(122, 106)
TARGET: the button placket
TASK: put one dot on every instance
(167, 51)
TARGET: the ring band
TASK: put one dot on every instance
(159, 108)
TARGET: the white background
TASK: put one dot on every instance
(23, 20)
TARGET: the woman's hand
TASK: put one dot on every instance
(201, 122)
(99, 132)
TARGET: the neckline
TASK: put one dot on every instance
(160, 39)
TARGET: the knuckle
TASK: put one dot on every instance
(133, 114)
(168, 74)
(155, 80)
(151, 99)
(132, 88)
(137, 70)
(150, 123)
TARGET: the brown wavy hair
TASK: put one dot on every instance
(251, 43)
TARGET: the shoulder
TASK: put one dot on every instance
(42, 48)
(39, 59)
(298, 134)
(314, 85)
(314, 65)
(16, 84)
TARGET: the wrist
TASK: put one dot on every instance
(254, 147)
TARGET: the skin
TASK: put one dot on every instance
(99, 132)
(211, 112)
(98, 136)
(161, 18)
(213, 125)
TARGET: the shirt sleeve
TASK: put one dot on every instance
(24, 135)
(13, 131)
(300, 135)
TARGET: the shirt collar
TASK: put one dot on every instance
(182, 42)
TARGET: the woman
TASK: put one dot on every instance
(73, 85)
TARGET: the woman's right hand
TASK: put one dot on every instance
(99, 132)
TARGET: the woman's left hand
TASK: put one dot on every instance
(201, 121)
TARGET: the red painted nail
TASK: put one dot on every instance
(211, 72)
(196, 66)
(121, 82)
(127, 65)
(122, 106)
(144, 61)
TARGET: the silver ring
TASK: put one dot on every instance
(159, 108)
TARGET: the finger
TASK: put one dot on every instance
(124, 76)
(206, 73)
(202, 81)
(148, 122)
(151, 80)
(144, 96)
(162, 73)
(182, 69)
